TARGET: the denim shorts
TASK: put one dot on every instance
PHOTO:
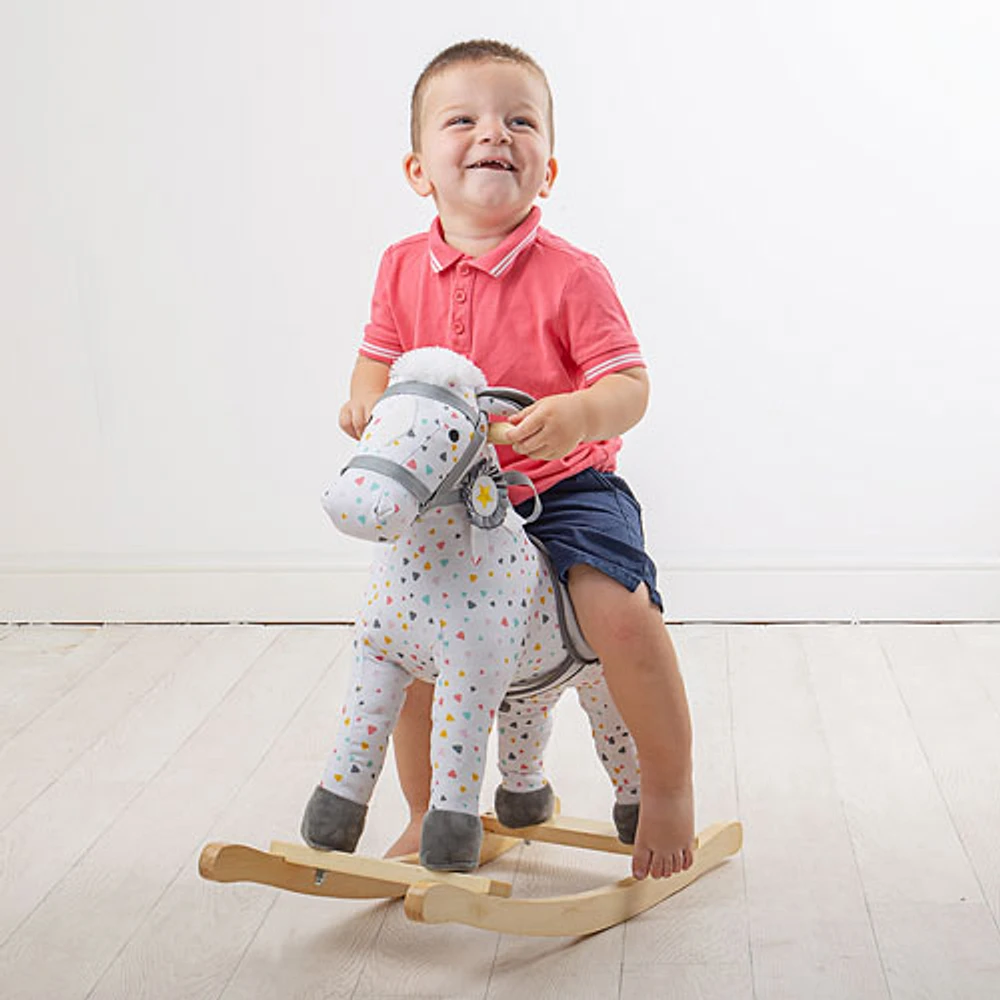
(593, 518)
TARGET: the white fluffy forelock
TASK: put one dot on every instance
(437, 366)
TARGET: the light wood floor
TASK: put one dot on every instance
(863, 761)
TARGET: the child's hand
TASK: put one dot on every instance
(549, 429)
(355, 414)
(368, 382)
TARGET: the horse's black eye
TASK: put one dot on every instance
(453, 434)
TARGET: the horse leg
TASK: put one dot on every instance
(466, 694)
(524, 797)
(616, 750)
(335, 814)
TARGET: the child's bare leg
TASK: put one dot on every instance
(627, 632)
(411, 744)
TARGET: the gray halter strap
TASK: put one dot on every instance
(449, 491)
(393, 470)
(436, 392)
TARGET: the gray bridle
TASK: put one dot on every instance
(448, 491)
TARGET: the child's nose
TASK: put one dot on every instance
(494, 132)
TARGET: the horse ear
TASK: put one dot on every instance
(498, 401)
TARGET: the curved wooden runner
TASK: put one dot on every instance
(475, 900)
(297, 868)
(575, 914)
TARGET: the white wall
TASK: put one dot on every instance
(798, 200)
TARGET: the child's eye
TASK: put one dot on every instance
(521, 122)
(460, 120)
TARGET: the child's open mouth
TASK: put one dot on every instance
(491, 164)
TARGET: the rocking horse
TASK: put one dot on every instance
(461, 596)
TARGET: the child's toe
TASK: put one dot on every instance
(642, 858)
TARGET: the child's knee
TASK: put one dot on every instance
(608, 612)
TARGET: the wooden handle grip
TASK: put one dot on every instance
(498, 432)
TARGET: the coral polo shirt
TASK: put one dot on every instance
(535, 314)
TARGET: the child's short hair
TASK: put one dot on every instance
(480, 50)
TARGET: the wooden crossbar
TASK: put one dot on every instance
(566, 830)
(383, 870)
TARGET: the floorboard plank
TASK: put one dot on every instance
(191, 940)
(809, 926)
(41, 664)
(121, 876)
(981, 645)
(688, 981)
(941, 680)
(51, 834)
(939, 951)
(970, 779)
(905, 842)
(50, 745)
(909, 855)
(588, 968)
(957, 728)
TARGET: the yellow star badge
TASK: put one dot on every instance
(485, 498)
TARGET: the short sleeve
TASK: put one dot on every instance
(599, 337)
(381, 338)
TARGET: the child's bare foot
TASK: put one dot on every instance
(664, 841)
(408, 842)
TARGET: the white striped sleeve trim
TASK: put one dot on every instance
(504, 264)
(382, 353)
(634, 360)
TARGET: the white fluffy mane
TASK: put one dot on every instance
(437, 366)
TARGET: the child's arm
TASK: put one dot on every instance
(551, 428)
(368, 382)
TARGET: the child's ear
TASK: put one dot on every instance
(415, 175)
(551, 169)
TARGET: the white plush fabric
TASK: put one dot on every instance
(437, 366)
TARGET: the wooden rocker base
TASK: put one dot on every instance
(478, 901)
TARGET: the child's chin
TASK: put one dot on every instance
(495, 198)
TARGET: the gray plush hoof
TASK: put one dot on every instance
(331, 822)
(450, 841)
(626, 819)
(519, 809)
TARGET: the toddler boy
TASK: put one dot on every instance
(535, 313)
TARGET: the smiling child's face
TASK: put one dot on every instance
(485, 149)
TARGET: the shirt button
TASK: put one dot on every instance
(460, 295)
(463, 268)
(458, 327)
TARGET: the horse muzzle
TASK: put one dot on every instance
(370, 505)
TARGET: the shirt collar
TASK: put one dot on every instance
(498, 261)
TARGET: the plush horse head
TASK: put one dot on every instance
(426, 445)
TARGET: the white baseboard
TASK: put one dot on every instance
(183, 595)
(328, 594)
(917, 594)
